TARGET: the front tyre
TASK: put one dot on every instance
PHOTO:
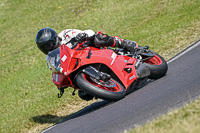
(110, 90)
(157, 65)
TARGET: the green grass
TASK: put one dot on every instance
(28, 97)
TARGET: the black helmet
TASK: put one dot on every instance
(47, 40)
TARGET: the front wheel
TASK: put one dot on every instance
(110, 90)
(157, 65)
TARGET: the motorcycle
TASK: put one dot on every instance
(103, 73)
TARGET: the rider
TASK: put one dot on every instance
(48, 40)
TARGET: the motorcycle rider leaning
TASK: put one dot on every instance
(48, 40)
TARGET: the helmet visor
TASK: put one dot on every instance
(50, 45)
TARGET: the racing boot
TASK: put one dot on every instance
(104, 40)
(128, 45)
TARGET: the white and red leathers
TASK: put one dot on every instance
(68, 34)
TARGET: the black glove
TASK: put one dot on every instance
(81, 37)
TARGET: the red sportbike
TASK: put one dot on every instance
(103, 73)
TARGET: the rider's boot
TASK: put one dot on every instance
(125, 44)
(102, 40)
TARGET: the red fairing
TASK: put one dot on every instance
(115, 62)
(66, 56)
(102, 73)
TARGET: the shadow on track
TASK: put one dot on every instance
(48, 118)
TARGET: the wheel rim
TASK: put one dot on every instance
(155, 60)
(111, 85)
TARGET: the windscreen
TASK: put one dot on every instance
(53, 60)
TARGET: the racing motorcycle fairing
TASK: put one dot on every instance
(103, 73)
(122, 66)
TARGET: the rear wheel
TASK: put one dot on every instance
(110, 90)
(157, 65)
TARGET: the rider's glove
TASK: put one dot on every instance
(81, 37)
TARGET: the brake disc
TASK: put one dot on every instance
(109, 83)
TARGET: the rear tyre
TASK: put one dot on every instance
(157, 65)
(113, 93)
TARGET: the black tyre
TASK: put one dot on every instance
(157, 65)
(113, 92)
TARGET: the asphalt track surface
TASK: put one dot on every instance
(180, 86)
